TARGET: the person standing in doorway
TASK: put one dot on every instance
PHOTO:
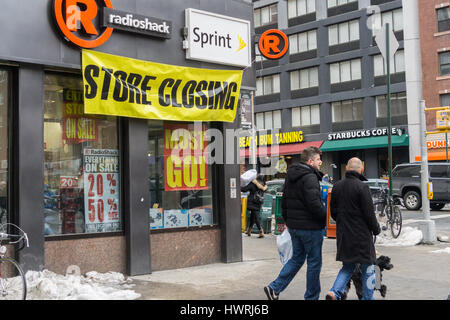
(305, 218)
(254, 202)
(352, 208)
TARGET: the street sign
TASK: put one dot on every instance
(380, 39)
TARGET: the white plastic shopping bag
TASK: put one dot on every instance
(248, 176)
(284, 244)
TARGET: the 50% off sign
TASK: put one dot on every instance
(101, 190)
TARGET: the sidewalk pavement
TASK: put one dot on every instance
(418, 274)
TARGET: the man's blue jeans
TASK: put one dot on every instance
(344, 275)
(306, 245)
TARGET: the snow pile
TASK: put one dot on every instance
(408, 237)
(47, 285)
(446, 250)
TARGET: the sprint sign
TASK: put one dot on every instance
(185, 165)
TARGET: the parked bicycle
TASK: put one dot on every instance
(13, 284)
(390, 210)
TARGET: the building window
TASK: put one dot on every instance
(305, 116)
(179, 177)
(344, 71)
(444, 63)
(82, 163)
(393, 17)
(443, 19)
(265, 15)
(268, 120)
(398, 105)
(302, 42)
(298, 8)
(348, 110)
(4, 150)
(336, 3)
(267, 85)
(445, 100)
(258, 56)
(397, 64)
(305, 78)
(343, 32)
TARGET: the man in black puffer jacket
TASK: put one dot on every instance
(305, 217)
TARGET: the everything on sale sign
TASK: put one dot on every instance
(101, 190)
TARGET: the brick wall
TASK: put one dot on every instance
(432, 42)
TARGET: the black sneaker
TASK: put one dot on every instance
(270, 293)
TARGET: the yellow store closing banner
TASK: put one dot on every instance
(120, 86)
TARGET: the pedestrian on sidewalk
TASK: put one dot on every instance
(254, 202)
(352, 208)
(305, 217)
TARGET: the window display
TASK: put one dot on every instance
(4, 90)
(180, 178)
(81, 166)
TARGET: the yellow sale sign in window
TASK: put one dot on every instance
(185, 166)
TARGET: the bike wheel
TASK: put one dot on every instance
(396, 222)
(13, 285)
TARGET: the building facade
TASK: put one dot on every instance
(91, 190)
(434, 26)
(332, 83)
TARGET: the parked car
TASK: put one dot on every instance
(407, 184)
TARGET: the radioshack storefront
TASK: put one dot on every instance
(104, 137)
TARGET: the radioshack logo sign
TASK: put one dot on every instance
(90, 23)
(216, 38)
(273, 44)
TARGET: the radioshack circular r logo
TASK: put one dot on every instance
(273, 44)
(79, 21)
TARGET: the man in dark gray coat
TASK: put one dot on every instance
(352, 208)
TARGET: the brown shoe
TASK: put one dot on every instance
(261, 233)
(249, 232)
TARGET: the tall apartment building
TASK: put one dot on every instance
(434, 26)
(331, 85)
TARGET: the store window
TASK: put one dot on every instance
(397, 65)
(265, 15)
(343, 32)
(302, 42)
(305, 78)
(81, 165)
(443, 19)
(348, 110)
(298, 8)
(180, 179)
(345, 71)
(4, 141)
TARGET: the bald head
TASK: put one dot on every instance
(355, 164)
